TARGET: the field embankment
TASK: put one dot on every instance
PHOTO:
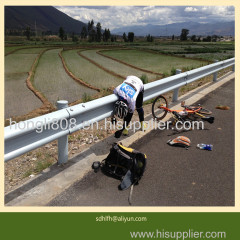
(12, 49)
(46, 104)
(152, 62)
(128, 64)
(52, 80)
(74, 77)
(18, 99)
(89, 72)
(115, 67)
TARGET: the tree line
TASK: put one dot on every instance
(90, 32)
(194, 38)
(94, 33)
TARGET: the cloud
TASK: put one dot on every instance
(190, 9)
(117, 16)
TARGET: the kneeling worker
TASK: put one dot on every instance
(130, 94)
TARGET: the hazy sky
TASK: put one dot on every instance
(117, 16)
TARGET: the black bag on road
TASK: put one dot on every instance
(125, 164)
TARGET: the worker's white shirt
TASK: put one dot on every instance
(129, 90)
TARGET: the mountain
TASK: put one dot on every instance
(47, 18)
(218, 28)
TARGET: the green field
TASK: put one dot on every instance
(88, 72)
(52, 80)
(211, 56)
(209, 51)
(163, 48)
(153, 62)
(18, 62)
(116, 67)
(9, 49)
(19, 99)
(30, 50)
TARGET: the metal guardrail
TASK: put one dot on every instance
(28, 135)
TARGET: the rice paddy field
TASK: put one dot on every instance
(88, 72)
(55, 84)
(164, 47)
(148, 60)
(116, 67)
(19, 99)
(30, 50)
(153, 62)
(9, 49)
(209, 51)
(211, 56)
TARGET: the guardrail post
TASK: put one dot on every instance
(215, 74)
(62, 141)
(233, 68)
(175, 92)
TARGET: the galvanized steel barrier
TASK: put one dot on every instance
(26, 136)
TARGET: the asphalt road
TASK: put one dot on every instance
(174, 176)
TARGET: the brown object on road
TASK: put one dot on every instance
(222, 107)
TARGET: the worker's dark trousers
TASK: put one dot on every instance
(139, 108)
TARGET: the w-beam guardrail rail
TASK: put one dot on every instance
(28, 135)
